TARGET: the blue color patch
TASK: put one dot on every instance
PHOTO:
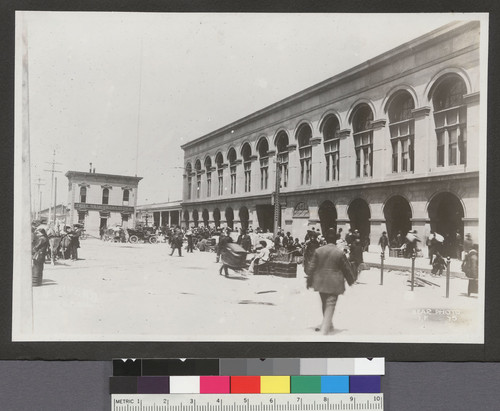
(335, 384)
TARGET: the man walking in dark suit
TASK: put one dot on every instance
(177, 242)
(327, 271)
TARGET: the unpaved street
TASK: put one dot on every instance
(138, 292)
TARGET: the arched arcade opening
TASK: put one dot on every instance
(205, 217)
(397, 214)
(359, 218)
(446, 215)
(244, 217)
(327, 216)
(229, 213)
(195, 218)
(217, 217)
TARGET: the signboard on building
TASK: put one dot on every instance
(103, 207)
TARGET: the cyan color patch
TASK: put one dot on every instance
(334, 384)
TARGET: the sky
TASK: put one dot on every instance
(124, 91)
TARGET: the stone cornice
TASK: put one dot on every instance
(377, 220)
(420, 220)
(77, 176)
(343, 220)
(421, 111)
(471, 98)
(378, 124)
(291, 147)
(346, 132)
(315, 141)
(431, 179)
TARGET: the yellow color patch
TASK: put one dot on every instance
(274, 384)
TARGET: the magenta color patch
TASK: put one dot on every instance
(214, 385)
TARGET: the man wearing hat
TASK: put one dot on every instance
(39, 247)
(190, 243)
(327, 271)
(468, 243)
(383, 241)
(311, 244)
(177, 240)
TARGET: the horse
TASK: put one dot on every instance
(54, 243)
(58, 247)
(65, 243)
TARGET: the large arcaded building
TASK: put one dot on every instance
(389, 145)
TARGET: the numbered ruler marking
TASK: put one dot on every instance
(246, 402)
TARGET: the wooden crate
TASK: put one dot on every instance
(283, 269)
(263, 269)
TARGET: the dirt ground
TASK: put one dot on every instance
(120, 292)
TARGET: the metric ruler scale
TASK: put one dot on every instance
(246, 402)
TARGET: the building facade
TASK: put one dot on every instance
(60, 217)
(101, 200)
(389, 145)
(160, 214)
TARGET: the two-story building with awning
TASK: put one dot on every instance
(101, 200)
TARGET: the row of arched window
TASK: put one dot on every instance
(104, 196)
(450, 121)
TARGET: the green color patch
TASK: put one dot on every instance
(305, 384)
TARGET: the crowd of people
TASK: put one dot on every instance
(328, 259)
(263, 246)
(52, 241)
(451, 245)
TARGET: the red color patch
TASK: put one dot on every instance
(245, 385)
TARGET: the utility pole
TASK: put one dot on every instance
(39, 184)
(55, 201)
(277, 205)
(52, 196)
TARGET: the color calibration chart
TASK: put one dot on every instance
(235, 384)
